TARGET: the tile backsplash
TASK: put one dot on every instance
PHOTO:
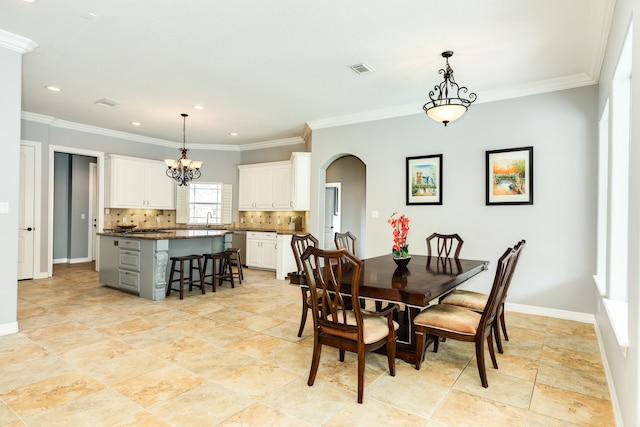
(143, 218)
(154, 218)
(271, 220)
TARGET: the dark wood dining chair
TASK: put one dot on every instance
(477, 301)
(462, 324)
(355, 330)
(445, 244)
(346, 241)
(300, 242)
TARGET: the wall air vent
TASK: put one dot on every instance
(108, 102)
(362, 68)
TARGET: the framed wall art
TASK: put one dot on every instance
(424, 180)
(510, 176)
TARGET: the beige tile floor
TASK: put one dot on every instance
(87, 355)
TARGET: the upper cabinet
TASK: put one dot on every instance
(138, 183)
(276, 186)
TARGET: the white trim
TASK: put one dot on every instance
(8, 328)
(551, 85)
(79, 260)
(101, 175)
(610, 382)
(64, 124)
(37, 205)
(551, 312)
(618, 313)
(60, 261)
(16, 43)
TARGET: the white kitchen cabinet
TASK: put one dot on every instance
(138, 183)
(276, 186)
(261, 250)
(282, 187)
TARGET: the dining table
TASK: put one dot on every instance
(413, 288)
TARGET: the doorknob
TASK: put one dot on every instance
(28, 229)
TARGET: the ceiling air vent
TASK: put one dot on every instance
(108, 102)
(362, 68)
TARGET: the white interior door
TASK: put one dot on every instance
(332, 204)
(26, 212)
(93, 210)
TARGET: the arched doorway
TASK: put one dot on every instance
(345, 196)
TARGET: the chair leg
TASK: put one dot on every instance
(360, 374)
(391, 355)
(315, 361)
(492, 353)
(419, 338)
(480, 361)
(305, 310)
(341, 355)
(436, 343)
(496, 334)
(503, 325)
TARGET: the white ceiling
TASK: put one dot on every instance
(265, 68)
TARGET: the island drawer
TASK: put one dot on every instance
(129, 260)
(129, 281)
(132, 245)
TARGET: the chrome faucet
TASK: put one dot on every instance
(209, 215)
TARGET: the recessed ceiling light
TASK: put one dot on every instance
(30, 1)
(106, 102)
(198, 107)
(89, 16)
(53, 88)
(233, 133)
(136, 123)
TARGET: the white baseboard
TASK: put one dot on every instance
(71, 260)
(551, 312)
(8, 328)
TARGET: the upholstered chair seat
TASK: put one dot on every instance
(475, 301)
(449, 318)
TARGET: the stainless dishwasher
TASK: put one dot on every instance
(239, 240)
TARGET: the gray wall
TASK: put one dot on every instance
(10, 84)
(70, 203)
(351, 173)
(273, 154)
(557, 265)
(61, 194)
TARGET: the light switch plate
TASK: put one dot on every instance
(374, 214)
(4, 207)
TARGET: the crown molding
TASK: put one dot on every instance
(544, 86)
(64, 124)
(269, 144)
(17, 43)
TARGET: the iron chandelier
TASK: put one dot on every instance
(183, 170)
(447, 102)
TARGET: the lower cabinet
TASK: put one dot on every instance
(120, 264)
(129, 266)
(286, 263)
(261, 250)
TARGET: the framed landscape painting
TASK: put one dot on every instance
(424, 180)
(510, 176)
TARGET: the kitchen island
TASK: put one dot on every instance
(139, 262)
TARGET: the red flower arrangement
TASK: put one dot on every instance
(400, 229)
